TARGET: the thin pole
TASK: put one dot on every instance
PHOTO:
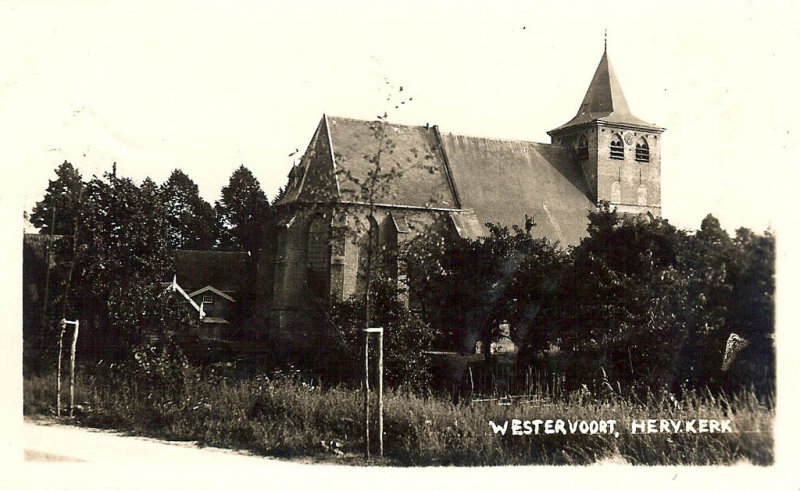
(366, 394)
(47, 277)
(58, 371)
(72, 370)
(380, 390)
(471, 383)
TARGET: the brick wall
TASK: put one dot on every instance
(295, 320)
(639, 183)
(631, 186)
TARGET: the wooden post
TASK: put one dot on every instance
(471, 383)
(72, 370)
(367, 332)
(366, 393)
(380, 390)
(63, 324)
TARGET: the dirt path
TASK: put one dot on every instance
(45, 441)
(66, 457)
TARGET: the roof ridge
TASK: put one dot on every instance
(358, 120)
(450, 133)
(507, 140)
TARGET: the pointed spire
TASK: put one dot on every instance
(604, 94)
(604, 99)
(605, 40)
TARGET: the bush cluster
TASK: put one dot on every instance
(638, 302)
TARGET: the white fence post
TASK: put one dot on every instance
(72, 370)
(63, 325)
(367, 332)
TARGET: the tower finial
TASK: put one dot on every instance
(605, 40)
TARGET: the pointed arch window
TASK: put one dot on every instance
(642, 151)
(617, 148)
(583, 148)
(369, 253)
(318, 256)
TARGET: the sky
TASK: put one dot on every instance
(207, 86)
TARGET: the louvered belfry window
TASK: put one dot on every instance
(617, 148)
(642, 151)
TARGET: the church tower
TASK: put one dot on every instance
(619, 154)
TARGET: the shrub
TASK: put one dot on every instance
(406, 337)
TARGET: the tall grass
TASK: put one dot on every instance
(288, 417)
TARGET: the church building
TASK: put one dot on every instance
(430, 180)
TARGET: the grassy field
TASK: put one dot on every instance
(287, 417)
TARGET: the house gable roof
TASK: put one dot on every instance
(175, 287)
(211, 289)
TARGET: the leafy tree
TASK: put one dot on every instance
(711, 262)
(122, 245)
(752, 312)
(144, 312)
(124, 234)
(63, 197)
(243, 210)
(619, 299)
(473, 286)
(192, 221)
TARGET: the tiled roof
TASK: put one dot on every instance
(333, 173)
(503, 180)
(412, 151)
(225, 271)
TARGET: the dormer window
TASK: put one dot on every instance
(583, 148)
(208, 299)
(617, 148)
(642, 151)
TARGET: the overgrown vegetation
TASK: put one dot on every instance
(112, 253)
(406, 341)
(283, 415)
(638, 303)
